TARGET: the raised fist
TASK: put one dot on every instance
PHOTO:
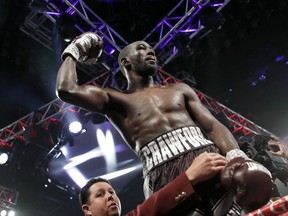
(85, 48)
(250, 180)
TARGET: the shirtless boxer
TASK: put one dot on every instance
(161, 123)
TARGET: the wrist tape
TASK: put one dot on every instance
(236, 153)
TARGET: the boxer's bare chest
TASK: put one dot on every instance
(142, 115)
(146, 102)
(160, 98)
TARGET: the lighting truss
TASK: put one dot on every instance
(8, 197)
(40, 28)
(113, 41)
(40, 25)
(178, 21)
(238, 122)
(57, 109)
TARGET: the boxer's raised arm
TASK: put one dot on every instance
(86, 49)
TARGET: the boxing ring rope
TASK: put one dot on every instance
(278, 207)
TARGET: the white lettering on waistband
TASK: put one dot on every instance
(171, 145)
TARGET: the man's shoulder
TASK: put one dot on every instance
(114, 90)
(179, 85)
(119, 93)
(183, 88)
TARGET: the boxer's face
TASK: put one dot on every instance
(142, 58)
(102, 201)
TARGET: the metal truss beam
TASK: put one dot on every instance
(57, 109)
(40, 28)
(178, 21)
(113, 41)
(236, 121)
(8, 196)
(41, 25)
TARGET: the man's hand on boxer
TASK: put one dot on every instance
(277, 147)
(251, 181)
(205, 166)
(86, 48)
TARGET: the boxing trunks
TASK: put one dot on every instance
(171, 154)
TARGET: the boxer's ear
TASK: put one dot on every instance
(125, 62)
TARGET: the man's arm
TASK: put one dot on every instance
(86, 96)
(86, 48)
(180, 190)
(216, 131)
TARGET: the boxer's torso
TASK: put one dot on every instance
(144, 115)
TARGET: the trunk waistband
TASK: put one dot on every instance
(171, 145)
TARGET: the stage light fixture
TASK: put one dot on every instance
(4, 157)
(55, 128)
(185, 45)
(11, 213)
(210, 18)
(5, 212)
(66, 27)
(76, 121)
(76, 127)
(38, 5)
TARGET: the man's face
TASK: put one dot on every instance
(103, 201)
(143, 58)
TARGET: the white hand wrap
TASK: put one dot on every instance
(236, 153)
(71, 50)
(80, 48)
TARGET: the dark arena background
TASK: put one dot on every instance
(234, 53)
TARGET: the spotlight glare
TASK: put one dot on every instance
(11, 213)
(75, 127)
(68, 40)
(3, 213)
(118, 173)
(3, 158)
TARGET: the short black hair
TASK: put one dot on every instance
(85, 190)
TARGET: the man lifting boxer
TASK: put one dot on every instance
(162, 123)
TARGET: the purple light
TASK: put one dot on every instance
(70, 10)
(254, 83)
(167, 23)
(188, 30)
(196, 3)
(262, 77)
(174, 49)
(279, 58)
(53, 13)
(111, 51)
(217, 5)
(166, 42)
